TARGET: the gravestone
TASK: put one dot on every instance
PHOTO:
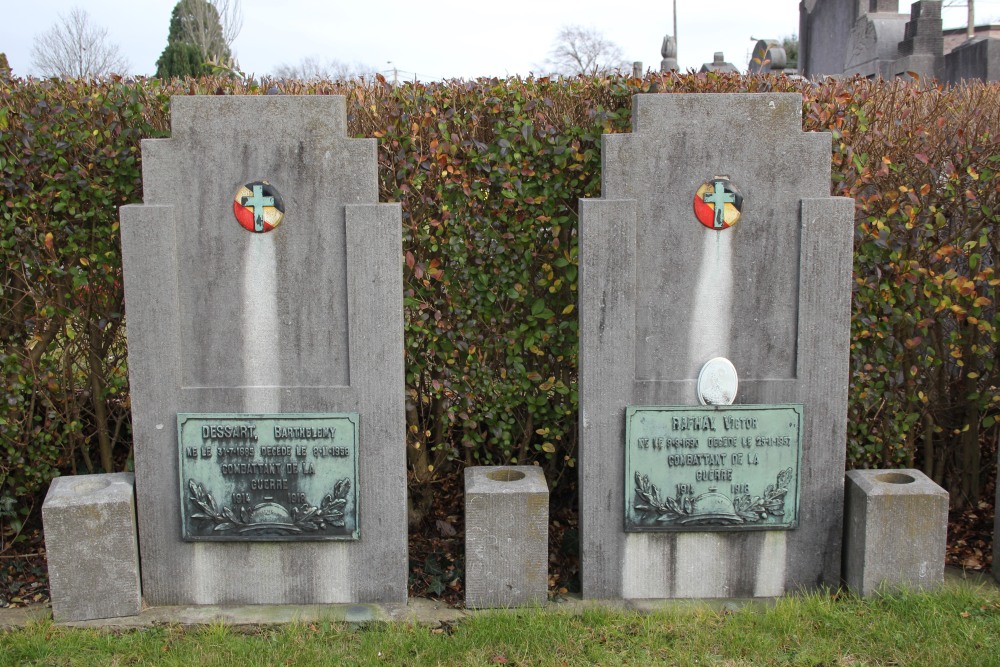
(824, 32)
(768, 56)
(263, 288)
(873, 45)
(718, 64)
(714, 268)
(975, 59)
(922, 48)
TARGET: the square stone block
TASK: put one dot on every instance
(92, 547)
(996, 530)
(506, 536)
(895, 530)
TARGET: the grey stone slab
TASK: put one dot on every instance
(824, 30)
(925, 66)
(975, 59)
(873, 45)
(661, 294)
(607, 279)
(506, 536)
(895, 530)
(923, 30)
(883, 6)
(305, 318)
(768, 55)
(922, 47)
(92, 547)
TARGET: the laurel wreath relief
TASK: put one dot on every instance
(302, 518)
(684, 508)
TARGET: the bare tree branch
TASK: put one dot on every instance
(579, 50)
(75, 48)
(311, 68)
(231, 18)
(212, 25)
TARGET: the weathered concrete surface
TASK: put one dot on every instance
(305, 318)
(922, 48)
(895, 530)
(873, 45)
(824, 32)
(660, 294)
(92, 546)
(977, 59)
(506, 536)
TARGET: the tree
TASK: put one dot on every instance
(75, 48)
(579, 50)
(201, 34)
(211, 25)
(181, 60)
(311, 69)
(791, 46)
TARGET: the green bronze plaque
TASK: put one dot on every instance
(268, 477)
(722, 468)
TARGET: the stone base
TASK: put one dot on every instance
(506, 536)
(895, 530)
(92, 547)
(926, 66)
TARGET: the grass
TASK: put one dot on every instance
(956, 626)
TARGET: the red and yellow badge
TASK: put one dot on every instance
(258, 207)
(717, 203)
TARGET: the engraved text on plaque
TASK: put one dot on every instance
(267, 477)
(731, 467)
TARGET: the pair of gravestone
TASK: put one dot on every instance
(263, 284)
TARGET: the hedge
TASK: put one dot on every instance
(489, 173)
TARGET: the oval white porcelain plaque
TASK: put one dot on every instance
(717, 382)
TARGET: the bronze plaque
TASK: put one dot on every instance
(268, 477)
(728, 467)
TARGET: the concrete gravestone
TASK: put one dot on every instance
(922, 48)
(715, 237)
(824, 30)
(768, 56)
(264, 300)
(718, 64)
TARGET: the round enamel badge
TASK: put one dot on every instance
(717, 203)
(258, 207)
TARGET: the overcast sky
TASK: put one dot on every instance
(435, 39)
